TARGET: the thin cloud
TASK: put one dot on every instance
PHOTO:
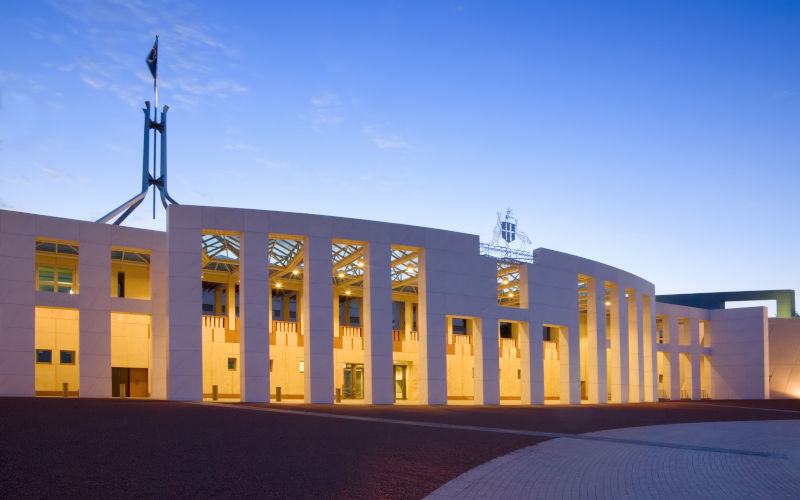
(269, 163)
(327, 111)
(386, 141)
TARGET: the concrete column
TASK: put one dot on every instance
(623, 343)
(159, 339)
(694, 326)
(94, 294)
(317, 319)
(647, 353)
(532, 364)
(254, 329)
(487, 360)
(377, 321)
(674, 360)
(185, 368)
(599, 302)
(432, 327)
(639, 362)
(614, 352)
(17, 309)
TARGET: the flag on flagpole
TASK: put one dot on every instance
(152, 59)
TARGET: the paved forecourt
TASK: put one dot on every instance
(754, 459)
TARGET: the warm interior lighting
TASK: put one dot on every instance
(608, 303)
(341, 275)
(347, 292)
(510, 294)
(295, 272)
(410, 269)
(360, 263)
(505, 282)
(277, 285)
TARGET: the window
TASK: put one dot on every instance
(120, 284)
(67, 357)
(55, 279)
(460, 326)
(302, 366)
(56, 267)
(270, 365)
(231, 364)
(505, 331)
(547, 334)
(44, 356)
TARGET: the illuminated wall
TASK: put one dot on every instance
(57, 353)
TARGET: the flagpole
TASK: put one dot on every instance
(155, 119)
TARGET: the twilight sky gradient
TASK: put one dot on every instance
(659, 137)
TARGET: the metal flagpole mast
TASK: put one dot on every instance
(155, 119)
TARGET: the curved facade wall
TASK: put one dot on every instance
(578, 330)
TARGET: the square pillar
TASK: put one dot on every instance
(694, 328)
(639, 361)
(185, 362)
(254, 327)
(532, 365)
(377, 321)
(317, 320)
(675, 360)
(432, 327)
(94, 296)
(159, 338)
(17, 309)
(623, 344)
(601, 352)
(485, 335)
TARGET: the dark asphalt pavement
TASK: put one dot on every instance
(126, 448)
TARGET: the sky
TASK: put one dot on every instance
(662, 138)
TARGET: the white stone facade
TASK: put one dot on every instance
(611, 357)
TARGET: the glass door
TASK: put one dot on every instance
(400, 381)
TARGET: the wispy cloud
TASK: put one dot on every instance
(59, 175)
(189, 50)
(386, 141)
(326, 111)
(269, 163)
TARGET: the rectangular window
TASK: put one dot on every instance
(547, 334)
(460, 326)
(302, 366)
(44, 356)
(120, 284)
(231, 364)
(270, 365)
(53, 279)
(67, 357)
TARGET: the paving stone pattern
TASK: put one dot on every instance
(584, 468)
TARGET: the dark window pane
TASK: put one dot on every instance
(67, 357)
(44, 356)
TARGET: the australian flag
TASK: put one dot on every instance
(152, 59)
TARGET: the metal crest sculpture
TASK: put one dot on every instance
(506, 229)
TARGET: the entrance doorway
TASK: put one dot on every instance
(129, 382)
(400, 382)
(353, 386)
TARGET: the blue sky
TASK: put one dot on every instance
(659, 137)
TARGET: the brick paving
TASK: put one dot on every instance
(755, 459)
